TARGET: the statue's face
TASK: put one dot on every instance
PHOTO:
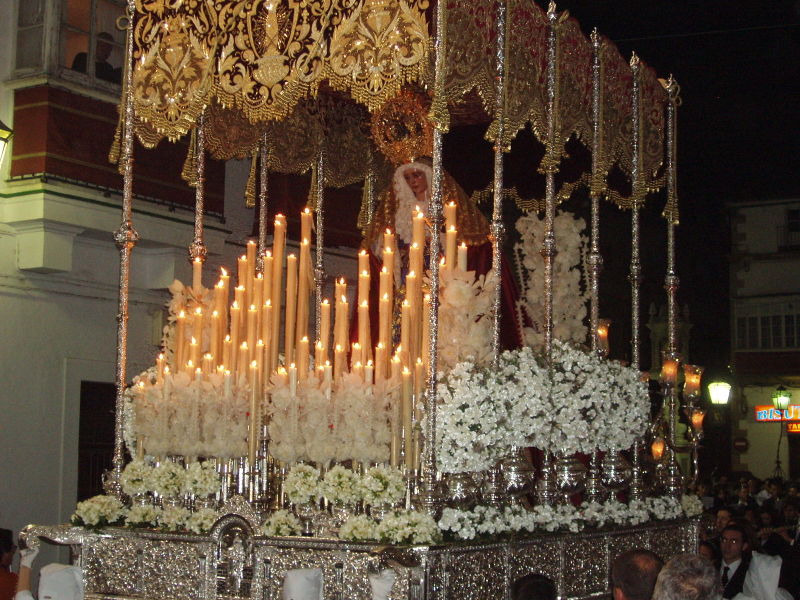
(416, 180)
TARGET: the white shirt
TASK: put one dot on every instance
(732, 567)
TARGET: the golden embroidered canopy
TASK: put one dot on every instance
(256, 65)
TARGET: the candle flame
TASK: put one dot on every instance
(197, 259)
(362, 253)
(338, 347)
(365, 273)
(388, 231)
(182, 315)
(166, 370)
(160, 356)
(190, 364)
(365, 304)
(344, 299)
(251, 243)
(215, 314)
(452, 228)
(260, 343)
(220, 284)
(304, 339)
(228, 338)
(243, 258)
(253, 307)
(227, 372)
(325, 301)
(240, 288)
(259, 276)
(268, 303)
(254, 364)
(327, 363)
(385, 297)
(198, 311)
(194, 341)
(140, 384)
(268, 254)
(406, 371)
(380, 346)
(369, 363)
(235, 305)
(243, 346)
(307, 211)
(224, 272)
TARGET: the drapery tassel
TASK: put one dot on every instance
(115, 151)
(365, 214)
(189, 171)
(250, 189)
(312, 191)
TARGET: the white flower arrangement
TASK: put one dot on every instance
(358, 528)
(136, 477)
(202, 520)
(664, 508)
(465, 323)
(301, 484)
(145, 515)
(201, 479)
(188, 416)
(569, 296)
(173, 518)
(489, 521)
(97, 512)
(322, 425)
(692, 505)
(341, 486)
(281, 523)
(584, 403)
(408, 528)
(382, 485)
(168, 479)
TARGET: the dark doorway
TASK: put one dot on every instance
(95, 436)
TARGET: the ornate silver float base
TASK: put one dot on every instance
(232, 563)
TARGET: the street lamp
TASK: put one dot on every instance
(6, 133)
(781, 398)
(720, 392)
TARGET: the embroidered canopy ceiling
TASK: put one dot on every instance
(256, 66)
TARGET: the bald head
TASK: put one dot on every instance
(634, 574)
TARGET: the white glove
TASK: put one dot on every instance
(27, 556)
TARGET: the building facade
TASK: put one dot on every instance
(765, 331)
(60, 202)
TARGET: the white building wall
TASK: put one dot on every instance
(762, 438)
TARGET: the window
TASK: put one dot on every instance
(30, 34)
(768, 326)
(90, 41)
(95, 436)
(793, 220)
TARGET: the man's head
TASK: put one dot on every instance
(687, 577)
(724, 516)
(633, 574)
(733, 543)
(790, 511)
(533, 587)
(743, 493)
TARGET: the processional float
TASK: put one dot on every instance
(214, 426)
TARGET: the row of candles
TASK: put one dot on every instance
(242, 340)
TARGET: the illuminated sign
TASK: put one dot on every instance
(793, 427)
(769, 414)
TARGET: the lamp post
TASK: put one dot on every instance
(720, 392)
(6, 133)
(780, 399)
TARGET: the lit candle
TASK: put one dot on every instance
(258, 298)
(462, 257)
(603, 326)
(450, 249)
(363, 261)
(252, 331)
(384, 323)
(355, 354)
(234, 335)
(338, 361)
(266, 335)
(358, 369)
(291, 307)
(194, 351)
(369, 369)
(226, 351)
(222, 307)
(180, 340)
(449, 215)
(244, 358)
(226, 379)
(418, 228)
(255, 417)
(208, 363)
(406, 404)
(197, 275)
(363, 330)
(405, 329)
(692, 375)
(415, 254)
(318, 360)
(419, 377)
(380, 362)
(305, 224)
(197, 326)
(669, 370)
(278, 246)
(388, 239)
(363, 286)
(304, 280)
(426, 328)
(302, 357)
(293, 380)
(241, 279)
(160, 368)
(325, 328)
(251, 261)
(214, 337)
